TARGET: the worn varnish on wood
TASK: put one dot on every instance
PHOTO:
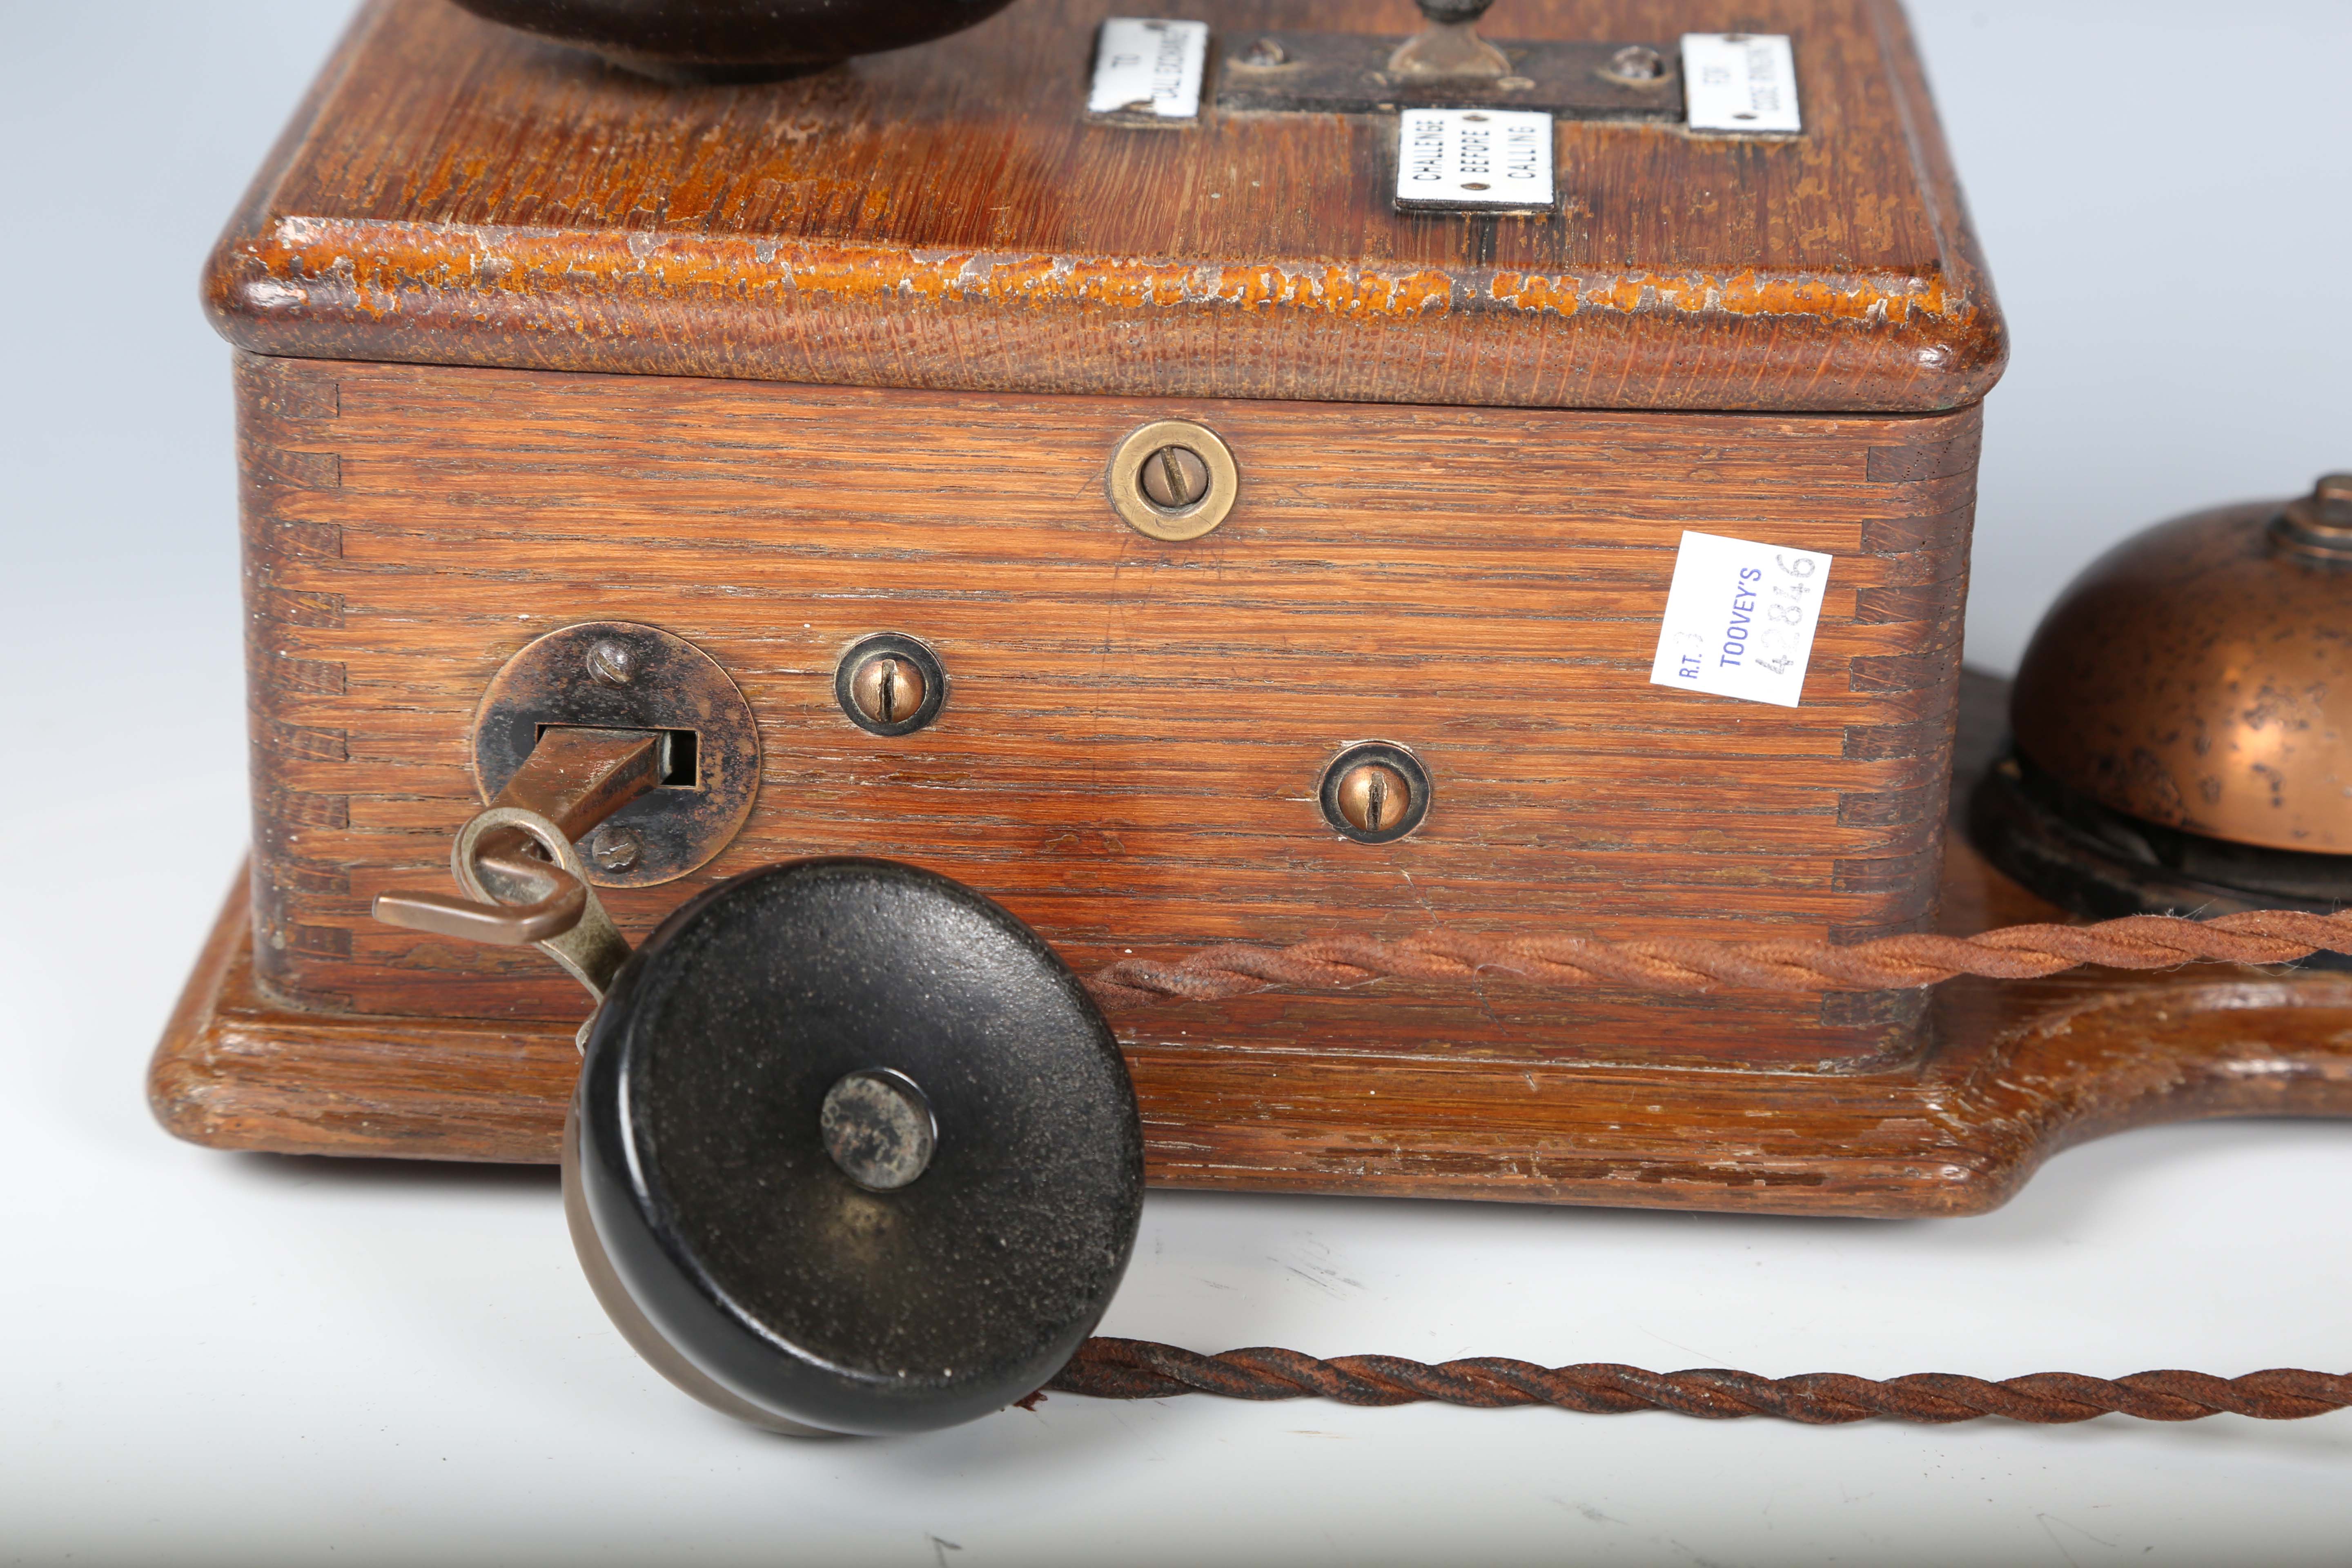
(943, 216)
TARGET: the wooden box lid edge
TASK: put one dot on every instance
(347, 285)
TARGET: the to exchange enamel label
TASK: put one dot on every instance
(1145, 66)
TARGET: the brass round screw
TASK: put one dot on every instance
(1174, 477)
(889, 684)
(1372, 796)
(888, 689)
(1374, 792)
(1172, 480)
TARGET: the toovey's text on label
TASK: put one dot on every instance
(1740, 617)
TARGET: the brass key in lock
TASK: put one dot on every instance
(524, 884)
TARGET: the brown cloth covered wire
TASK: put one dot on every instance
(1893, 962)
(1136, 1369)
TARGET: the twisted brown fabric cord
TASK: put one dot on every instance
(1891, 962)
(1137, 1369)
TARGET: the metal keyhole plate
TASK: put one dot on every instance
(618, 675)
(1172, 480)
(743, 1232)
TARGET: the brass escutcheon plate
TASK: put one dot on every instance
(1124, 481)
(652, 679)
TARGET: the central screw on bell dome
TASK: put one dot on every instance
(878, 1128)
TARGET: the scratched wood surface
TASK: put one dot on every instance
(2019, 1071)
(1134, 730)
(941, 217)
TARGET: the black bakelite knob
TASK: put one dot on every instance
(1455, 11)
(853, 1149)
(736, 40)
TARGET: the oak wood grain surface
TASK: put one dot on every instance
(2019, 1070)
(1134, 731)
(943, 216)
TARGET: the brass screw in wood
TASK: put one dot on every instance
(1172, 480)
(888, 689)
(1174, 477)
(1372, 796)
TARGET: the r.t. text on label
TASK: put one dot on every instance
(1739, 619)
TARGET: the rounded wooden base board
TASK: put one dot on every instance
(2018, 1070)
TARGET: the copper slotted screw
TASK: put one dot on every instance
(1372, 796)
(888, 689)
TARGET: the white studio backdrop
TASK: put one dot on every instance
(223, 1359)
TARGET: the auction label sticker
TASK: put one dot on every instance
(1144, 66)
(1478, 160)
(1740, 619)
(1739, 82)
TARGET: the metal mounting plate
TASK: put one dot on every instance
(664, 683)
(1344, 73)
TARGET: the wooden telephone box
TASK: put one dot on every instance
(526, 343)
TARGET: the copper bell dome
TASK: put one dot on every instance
(2199, 676)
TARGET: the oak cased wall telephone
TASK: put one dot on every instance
(1411, 562)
